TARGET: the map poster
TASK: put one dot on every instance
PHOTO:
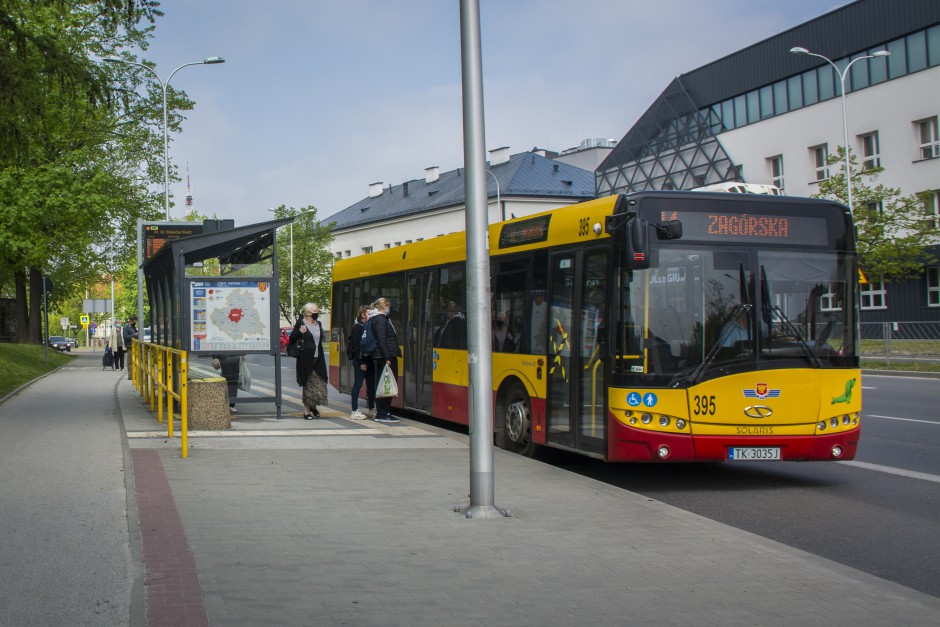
(230, 316)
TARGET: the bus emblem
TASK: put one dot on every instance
(758, 411)
(761, 391)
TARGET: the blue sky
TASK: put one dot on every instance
(318, 99)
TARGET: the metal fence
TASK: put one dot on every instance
(915, 340)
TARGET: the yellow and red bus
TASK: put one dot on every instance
(656, 326)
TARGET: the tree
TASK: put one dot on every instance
(313, 261)
(76, 155)
(894, 231)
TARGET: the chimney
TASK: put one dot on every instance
(431, 174)
(375, 189)
(499, 155)
(404, 188)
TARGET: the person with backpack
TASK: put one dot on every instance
(386, 353)
(363, 367)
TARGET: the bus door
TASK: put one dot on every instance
(351, 297)
(576, 383)
(418, 339)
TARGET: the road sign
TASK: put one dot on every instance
(84, 321)
(64, 321)
(93, 326)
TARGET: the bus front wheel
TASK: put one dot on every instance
(514, 412)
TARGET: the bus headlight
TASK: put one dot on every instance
(846, 420)
(833, 422)
(821, 425)
(663, 451)
(680, 424)
(836, 452)
(664, 421)
(647, 418)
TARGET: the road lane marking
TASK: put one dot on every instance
(396, 431)
(894, 471)
(929, 422)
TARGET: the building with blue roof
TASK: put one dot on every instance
(517, 185)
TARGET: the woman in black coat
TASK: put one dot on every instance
(311, 364)
(386, 354)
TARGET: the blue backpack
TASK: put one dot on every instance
(367, 343)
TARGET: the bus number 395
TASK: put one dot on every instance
(703, 405)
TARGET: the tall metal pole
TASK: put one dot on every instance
(479, 336)
(291, 228)
(845, 124)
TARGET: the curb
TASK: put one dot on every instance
(903, 373)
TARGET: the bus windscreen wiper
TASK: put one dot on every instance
(795, 333)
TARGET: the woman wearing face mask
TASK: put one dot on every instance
(386, 354)
(311, 365)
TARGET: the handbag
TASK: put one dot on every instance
(295, 349)
(387, 386)
(244, 375)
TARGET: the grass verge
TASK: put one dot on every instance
(21, 363)
(873, 364)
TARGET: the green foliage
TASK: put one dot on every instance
(313, 261)
(893, 230)
(81, 146)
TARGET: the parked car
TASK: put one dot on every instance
(73, 342)
(59, 343)
(285, 335)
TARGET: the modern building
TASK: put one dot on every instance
(766, 115)
(517, 185)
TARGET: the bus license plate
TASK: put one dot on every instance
(754, 454)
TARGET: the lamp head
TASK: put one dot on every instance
(799, 50)
(112, 59)
(213, 60)
(880, 53)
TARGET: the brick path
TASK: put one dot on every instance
(173, 593)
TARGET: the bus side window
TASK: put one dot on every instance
(535, 335)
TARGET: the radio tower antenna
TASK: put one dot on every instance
(189, 193)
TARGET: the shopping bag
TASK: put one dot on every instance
(244, 375)
(296, 348)
(387, 386)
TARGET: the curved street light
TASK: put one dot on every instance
(166, 140)
(845, 126)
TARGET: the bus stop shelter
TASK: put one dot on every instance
(217, 293)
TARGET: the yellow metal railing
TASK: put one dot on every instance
(155, 372)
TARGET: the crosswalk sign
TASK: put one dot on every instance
(84, 321)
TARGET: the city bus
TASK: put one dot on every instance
(649, 327)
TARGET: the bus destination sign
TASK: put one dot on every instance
(750, 229)
(531, 231)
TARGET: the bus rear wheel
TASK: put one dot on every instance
(514, 413)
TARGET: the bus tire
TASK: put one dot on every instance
(514, 421)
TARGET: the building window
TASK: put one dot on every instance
(874, 295)
(871, 154)
(929, 140)
(348, 254)
(776, 171)
(366, 250)
(830, 302)
(820, 155)
(387, 245)
(933, 286)
(339, 254)
(932, 209)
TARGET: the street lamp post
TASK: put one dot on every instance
(166, 137)
(499, 205)
(845, 125)
(290, 228)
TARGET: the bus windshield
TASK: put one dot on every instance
(704, 312)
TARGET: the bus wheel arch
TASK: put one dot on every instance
(513, 418)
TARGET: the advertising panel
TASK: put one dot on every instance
(230, 315)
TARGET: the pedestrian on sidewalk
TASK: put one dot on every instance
(311, 364)
(386, 354)
(119, 349)
(363, 366)
(230, 365)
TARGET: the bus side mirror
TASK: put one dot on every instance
(670, 229)
(637, 244)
